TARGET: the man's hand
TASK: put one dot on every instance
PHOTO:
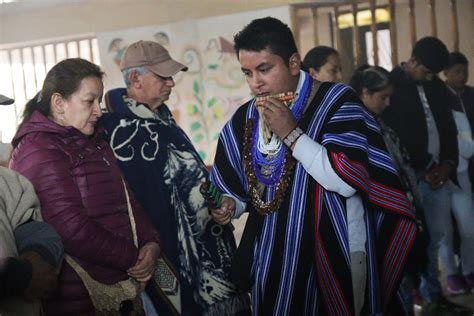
(438, 175)
(224, 214)
(279, 118)
(43, 278)
(144, 268)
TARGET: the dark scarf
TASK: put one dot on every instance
(165, 171)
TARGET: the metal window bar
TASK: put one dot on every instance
(26, 66)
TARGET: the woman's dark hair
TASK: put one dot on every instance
(64, 78)
(318, 56)
(267, 33)
(373, 78)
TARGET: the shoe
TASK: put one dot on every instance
(417, 299)
(443, 307)
(457, 285)
(469, 279)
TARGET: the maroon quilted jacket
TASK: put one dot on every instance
(80, 187)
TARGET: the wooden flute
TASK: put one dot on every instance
(285, 97)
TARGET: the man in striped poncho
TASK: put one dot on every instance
(329, 226)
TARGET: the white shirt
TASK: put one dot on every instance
(432, 129)
(465, 142)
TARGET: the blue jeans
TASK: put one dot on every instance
(461, 207)
(406, 292)
(437, 206)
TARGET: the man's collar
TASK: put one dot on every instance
(455, 91)
(301, 79)
(139, 109)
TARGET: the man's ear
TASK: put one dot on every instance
(295, 64)
(57, 104)
(135, 79)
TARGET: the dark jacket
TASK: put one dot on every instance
(82, 196)
(165, 172)
(407, 118)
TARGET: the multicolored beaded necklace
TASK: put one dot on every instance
(268, 168)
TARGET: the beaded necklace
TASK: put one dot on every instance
(268, 166)
(262, 207)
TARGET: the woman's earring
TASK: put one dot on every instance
(61, 116)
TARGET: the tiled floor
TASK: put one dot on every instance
(465, 300)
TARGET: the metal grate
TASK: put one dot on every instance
(24, 67)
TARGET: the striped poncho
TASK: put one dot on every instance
(297, 258)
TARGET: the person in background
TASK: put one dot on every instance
(457, 74)
(374, 85)
(30, 250)
(420, 115)
(323, 64)
(110, 245)
(165, 171)
(322, 222)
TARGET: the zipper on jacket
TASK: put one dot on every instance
(106, 161)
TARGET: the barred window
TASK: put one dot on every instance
(23, 68)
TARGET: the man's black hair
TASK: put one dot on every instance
(267, 33)
(456, 58)
(431, 53)
(318, 56)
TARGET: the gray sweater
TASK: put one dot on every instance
(21, 229)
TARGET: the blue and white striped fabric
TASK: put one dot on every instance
(301, 258)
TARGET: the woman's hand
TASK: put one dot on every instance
(144, 268)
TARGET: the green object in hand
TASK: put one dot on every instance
(211, 194)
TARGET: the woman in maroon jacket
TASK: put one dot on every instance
(110, 244)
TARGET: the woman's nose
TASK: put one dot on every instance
(97, 110)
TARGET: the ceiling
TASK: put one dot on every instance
(10, 7)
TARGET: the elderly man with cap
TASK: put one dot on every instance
(165, 172)
(421, 116)
(30, 250)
